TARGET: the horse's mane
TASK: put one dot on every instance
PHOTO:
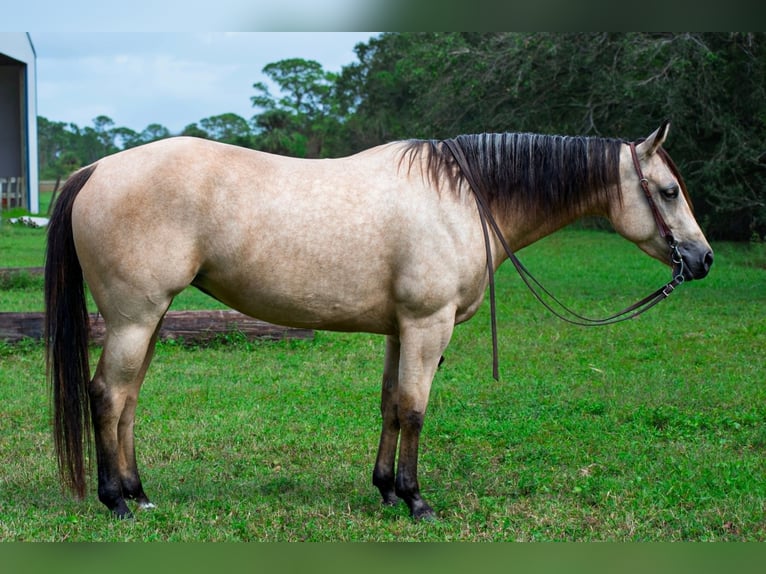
(525, 171)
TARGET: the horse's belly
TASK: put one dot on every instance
(306, 303)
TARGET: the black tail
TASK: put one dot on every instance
(66, 338)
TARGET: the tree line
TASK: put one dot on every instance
(437, 85)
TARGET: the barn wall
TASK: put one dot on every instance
(10, 119)
(18, 114)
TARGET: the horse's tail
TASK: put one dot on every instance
(66, 338)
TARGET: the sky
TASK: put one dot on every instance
(168, 78)
(220, 15)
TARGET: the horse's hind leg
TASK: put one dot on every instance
(132, 488)
(383, 473)
(113, 396)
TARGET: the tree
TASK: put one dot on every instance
(228, 128)
(154, 132)
(278, 132)
(306, 99)
(378, 93)
(126, 137)
(194, 130)
(104, 132)
(53, 139)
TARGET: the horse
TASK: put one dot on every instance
(391, 241)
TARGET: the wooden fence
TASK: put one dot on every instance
(12, 193)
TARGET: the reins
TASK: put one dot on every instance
(537, 289)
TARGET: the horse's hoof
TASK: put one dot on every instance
(121, 511)
(123, 514)
(423, 512)
(390, 500)
(146, 505)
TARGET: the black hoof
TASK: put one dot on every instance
(425, 515)
(391, 500)
(122, 511)
(419, 510)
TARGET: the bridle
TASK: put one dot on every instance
(537, 289)
(665, 232)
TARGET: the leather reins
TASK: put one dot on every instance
(537, 289)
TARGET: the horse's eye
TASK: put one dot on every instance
(670, 192)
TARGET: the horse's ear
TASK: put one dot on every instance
(651, 144)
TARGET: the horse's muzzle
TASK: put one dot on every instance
(696, 262)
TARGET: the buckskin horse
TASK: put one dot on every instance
(401, 240)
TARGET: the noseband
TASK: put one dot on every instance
(538, 290)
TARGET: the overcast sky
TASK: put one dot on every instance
(174, 78)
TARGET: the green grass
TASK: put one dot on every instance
(653, 429)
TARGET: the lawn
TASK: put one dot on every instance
(649, 430)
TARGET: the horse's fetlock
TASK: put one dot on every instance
(382, 479)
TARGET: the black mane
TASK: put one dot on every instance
(541, 173)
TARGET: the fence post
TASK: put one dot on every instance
(14, 189)
(12, 192)
(3, 198)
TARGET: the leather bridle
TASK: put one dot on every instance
(665, 232)
(537, 289)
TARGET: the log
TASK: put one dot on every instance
(190, 326)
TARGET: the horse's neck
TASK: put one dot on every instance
(522, 228)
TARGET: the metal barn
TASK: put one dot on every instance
(18, 122)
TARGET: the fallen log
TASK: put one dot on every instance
(189, 326)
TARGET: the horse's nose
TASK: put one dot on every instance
(696, 263)
(708, 262)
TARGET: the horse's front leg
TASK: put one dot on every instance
(383, 473)
(422, 344)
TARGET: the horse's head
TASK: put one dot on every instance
(656, 214)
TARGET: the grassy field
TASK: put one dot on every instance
(650, 430)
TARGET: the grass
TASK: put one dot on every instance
(650, 430)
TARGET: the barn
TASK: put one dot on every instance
(18, 122)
